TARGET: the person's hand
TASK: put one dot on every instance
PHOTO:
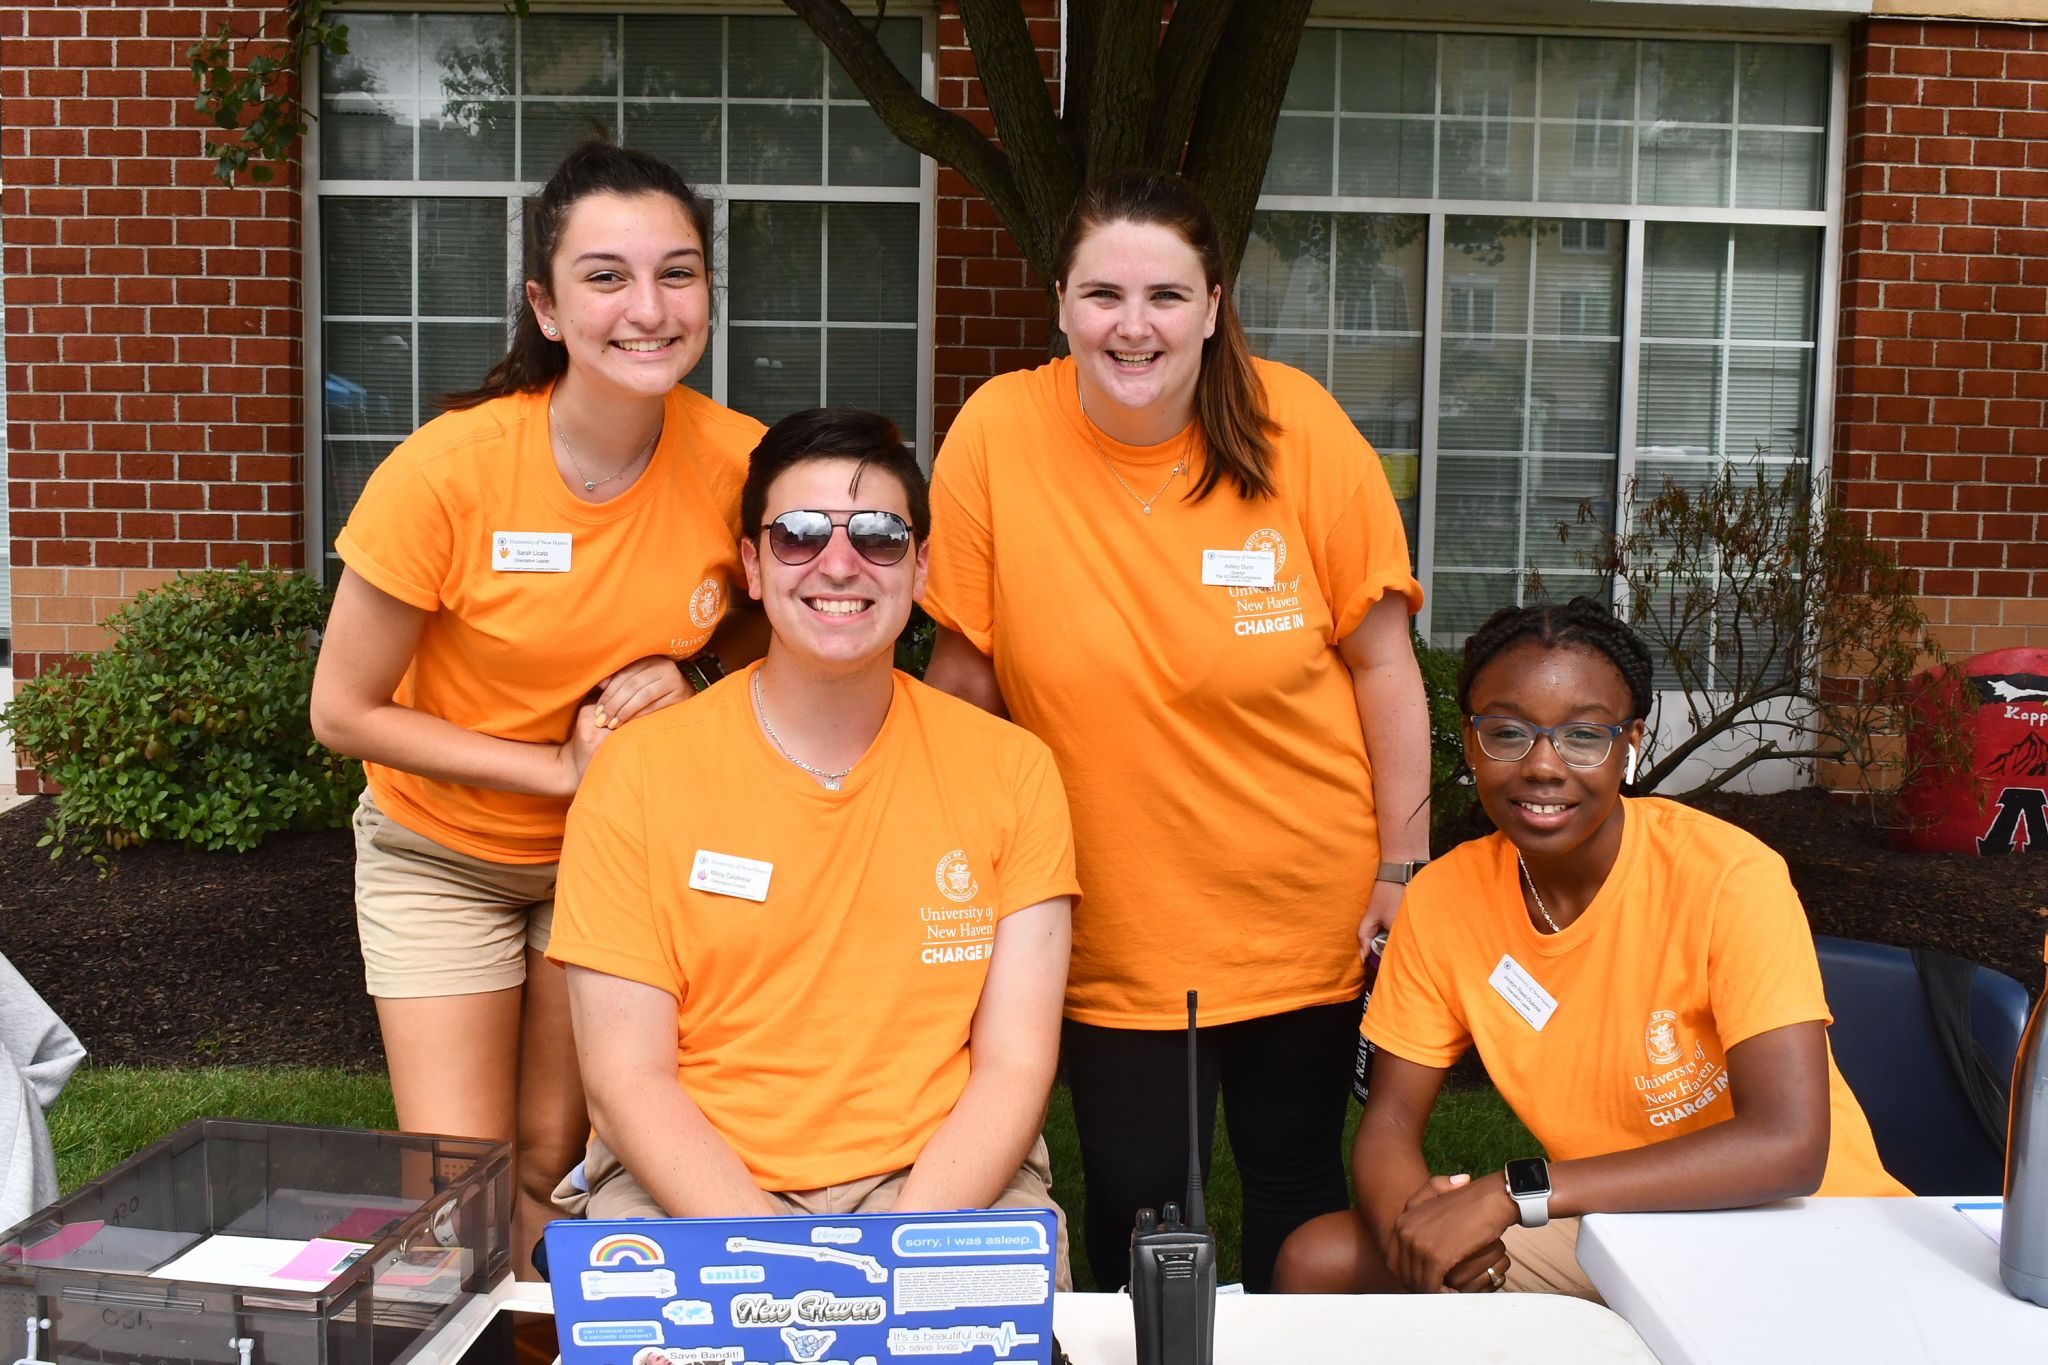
(1380, 909)
(639, 689)
(572, 755)
(1448, 1238)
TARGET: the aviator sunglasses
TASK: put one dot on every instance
(798, 537)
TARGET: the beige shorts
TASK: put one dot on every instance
(437, 922)
(614, 1193)
(1545, 1260)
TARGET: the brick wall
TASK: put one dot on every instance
(1941, 373)
(990, 311)
(152, 318)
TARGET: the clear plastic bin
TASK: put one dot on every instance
(86, 1280)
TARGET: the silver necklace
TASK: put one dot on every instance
(591, 485)
(831, 781)
(1144, 503)
(1540, 909)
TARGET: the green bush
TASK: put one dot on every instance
(1439, 668)
(192, 726)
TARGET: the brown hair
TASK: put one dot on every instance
(1230, 402)
(532, 362)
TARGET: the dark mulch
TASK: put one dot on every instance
(183, 958)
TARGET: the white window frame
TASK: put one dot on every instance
(316, 189)
(1634, 217)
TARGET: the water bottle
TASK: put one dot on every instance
(2023, 1237)
(1361, 1064)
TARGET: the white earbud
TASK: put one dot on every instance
(1628, 774)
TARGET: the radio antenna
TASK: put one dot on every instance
(1196, 1214)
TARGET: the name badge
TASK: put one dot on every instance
(1237, 568)
(530, 551)
(1522, 993)
(726, 874)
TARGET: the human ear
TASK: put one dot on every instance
(750, 564)
(543, 309)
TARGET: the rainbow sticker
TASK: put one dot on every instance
(624, 1248)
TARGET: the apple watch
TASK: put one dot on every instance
(1529, 1186)
(1401, 873)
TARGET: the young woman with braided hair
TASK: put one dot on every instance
(1637, 976)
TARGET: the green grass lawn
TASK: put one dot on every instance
(106, 1114)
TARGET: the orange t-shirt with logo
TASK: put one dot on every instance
(823, 1031)
(1207, 732)
(1696, 942)
(533, 595)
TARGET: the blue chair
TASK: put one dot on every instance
(1926, 1042)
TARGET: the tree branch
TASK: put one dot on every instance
(1126, 44)
(1182, 69)
(1239, 110)
(1045, 174)
(1719, 722)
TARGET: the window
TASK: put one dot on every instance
(1621, 243)
(434, 128)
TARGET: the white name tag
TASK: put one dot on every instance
(530, 551)
(1522, 992)
(724, 874)
(1237, 568)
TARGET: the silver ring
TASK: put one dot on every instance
(1493, 1273)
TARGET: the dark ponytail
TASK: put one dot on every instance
(596, 167)
(1581, 623)
(1230, 402)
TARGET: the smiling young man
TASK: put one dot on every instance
(816, 921)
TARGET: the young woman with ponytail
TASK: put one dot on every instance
(1182, 568)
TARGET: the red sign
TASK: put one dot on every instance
(2000, 805)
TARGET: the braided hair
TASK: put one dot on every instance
(1581, 623)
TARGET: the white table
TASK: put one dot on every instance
(1812, 1281)
(1095, 1329)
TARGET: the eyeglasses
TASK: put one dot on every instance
(1580, 743)
(881, 538)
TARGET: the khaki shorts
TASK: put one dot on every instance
(437, 922)
(614, 1193)
(1545, 1260)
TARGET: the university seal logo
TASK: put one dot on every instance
(1266, 538)
(705, 604)
(1660, 1038)
(955, 878)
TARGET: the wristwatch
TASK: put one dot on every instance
(1529, 1186)
(1401, 873)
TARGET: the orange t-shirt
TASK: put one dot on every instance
(822, 1031)
(512, 654)
(1208, 734)
(1696, 942)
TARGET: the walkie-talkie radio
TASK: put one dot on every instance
(1173, 1264)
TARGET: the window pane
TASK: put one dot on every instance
(369, 378)
(1768, 399)
(774, 370)
(1776, 283)
(1489, 74)
(776, 253)
(864, 152)
(776, 145)
(1482, 386)
(876, 369)
(380, 59)
(671, 54)
(362, 138)
(1379, 382)
(773, 58)
(1389, 73)
(1312, 84)
(1679, 400)
(454, 357)
(1683, 166)
(570, 55)
(1379, 272)
(1300, 160)
(872, 271)
(1284, 280)
(1683, 276)
(1785, 83)
(366, 257)
(1589, 78)
(1688, 82)
(1485, 159)
(462, 258)
(683, 135)
(1386, 157)
(1575, 395)
(1586, 162)
(554, 129)
(1779, 171)
(1309, 354)
(468, 140)
(902, 40)
(467, 56)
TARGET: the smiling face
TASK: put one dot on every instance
(1136, 307)
(1552, 812)
(630, 294)
(838, 613)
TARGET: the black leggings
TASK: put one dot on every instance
(1284, 1079)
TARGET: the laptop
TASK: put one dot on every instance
(862, 1289)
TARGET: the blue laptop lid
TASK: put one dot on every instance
(861, 1289)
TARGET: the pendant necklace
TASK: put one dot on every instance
(591, 485)
(1144, 503)
(830, 781)
(1532, 891)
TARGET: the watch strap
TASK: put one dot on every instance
(1401, 873)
